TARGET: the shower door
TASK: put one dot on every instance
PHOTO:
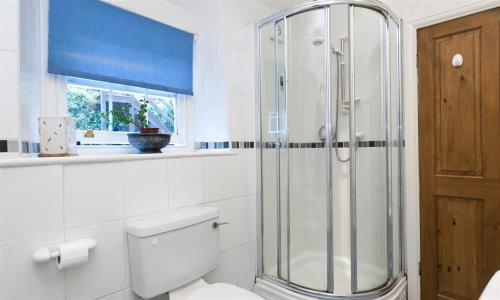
(294, 160)
(370, 174)
(308, 157)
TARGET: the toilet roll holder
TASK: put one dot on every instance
(45, 254)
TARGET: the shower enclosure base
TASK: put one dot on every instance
(309, 269)
(272, 291)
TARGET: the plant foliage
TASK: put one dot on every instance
(84, 108)
(124, 119)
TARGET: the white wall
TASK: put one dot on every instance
(9, 71)
(42, 205)
(413, 10)
(30, 67)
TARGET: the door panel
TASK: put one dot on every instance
(459, 234)
(459, 134)
(457, 109)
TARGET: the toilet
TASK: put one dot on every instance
(170, 253)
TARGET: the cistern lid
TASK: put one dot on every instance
(171, 221)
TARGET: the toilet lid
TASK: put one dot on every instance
(223, 291)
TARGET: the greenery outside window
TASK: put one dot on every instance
(89, 103)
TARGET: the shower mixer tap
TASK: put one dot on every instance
(322, 133)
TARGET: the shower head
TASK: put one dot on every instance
(318, 41)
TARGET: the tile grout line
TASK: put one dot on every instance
(63, 171)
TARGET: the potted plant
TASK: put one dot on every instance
(148, 140)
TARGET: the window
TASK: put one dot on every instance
(90, 102)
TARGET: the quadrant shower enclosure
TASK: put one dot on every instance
(330, 150)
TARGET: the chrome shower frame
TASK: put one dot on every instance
(393, 279)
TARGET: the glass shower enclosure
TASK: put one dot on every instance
(330, 149)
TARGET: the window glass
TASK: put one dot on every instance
(90, 106)
(90, 103)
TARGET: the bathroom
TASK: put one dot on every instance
(245, 93)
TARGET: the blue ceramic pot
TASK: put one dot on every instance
(149, 142)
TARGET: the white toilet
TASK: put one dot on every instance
(171, 252)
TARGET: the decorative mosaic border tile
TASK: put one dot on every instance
(30, 147)
(273, 145)
(360, 144)
(34, 147)
(224, 145)
(12, 146)
(9, 146)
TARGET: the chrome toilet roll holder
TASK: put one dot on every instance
(45, 254)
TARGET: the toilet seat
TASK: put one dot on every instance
(200, 290)
(222, 291)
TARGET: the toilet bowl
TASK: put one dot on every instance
(170, 253)
(200, 290)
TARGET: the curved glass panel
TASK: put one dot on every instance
(371, 156)
(269, 155)
(340, 160)
(396, 145)
(307, 172)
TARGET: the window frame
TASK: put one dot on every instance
(116, 139)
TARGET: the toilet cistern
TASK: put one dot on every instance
(170, 253)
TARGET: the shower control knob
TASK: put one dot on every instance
(322, 133)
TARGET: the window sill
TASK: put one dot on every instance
(83, 159)
(108, 149)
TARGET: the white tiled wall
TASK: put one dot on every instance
(31, 202)
(42, 205)
(411, 10)
(9, 111)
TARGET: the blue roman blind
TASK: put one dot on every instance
(94, 40)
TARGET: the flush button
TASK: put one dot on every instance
(154, 242)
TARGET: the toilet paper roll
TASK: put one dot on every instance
(72, 254)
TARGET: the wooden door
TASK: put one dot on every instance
(459, 145)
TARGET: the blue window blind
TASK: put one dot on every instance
(94, 40)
